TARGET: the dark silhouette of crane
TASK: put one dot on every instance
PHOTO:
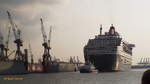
(46, 44)
(49, 40)
(7, 43)
(2, 47)
(47, 59)
(18, 41)
(31, 54)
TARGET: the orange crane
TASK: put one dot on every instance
(18, 41)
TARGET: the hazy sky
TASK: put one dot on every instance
(76, 21)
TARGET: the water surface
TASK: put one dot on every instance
(133, 77)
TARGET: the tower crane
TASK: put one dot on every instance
(46, 44)
(31, 54)
(18, 41)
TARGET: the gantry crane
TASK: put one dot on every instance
(31, 54)
(46, 44)
(18, 41)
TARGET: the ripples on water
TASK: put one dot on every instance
(133, 77)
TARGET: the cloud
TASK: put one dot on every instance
(26, 13)
(75, 21)
(71, 16)
(18, 3)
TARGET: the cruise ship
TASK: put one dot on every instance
(109, 52)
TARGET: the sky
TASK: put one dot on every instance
(76, 21)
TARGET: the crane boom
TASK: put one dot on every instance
(12, 24)
(43, 31)
(50, 33)
(2, 55)
(7, 41)
(30, 50)
(1, 38)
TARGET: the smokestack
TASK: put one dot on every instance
(101, 29)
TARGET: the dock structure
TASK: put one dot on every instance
(19, 64)
(144, 63)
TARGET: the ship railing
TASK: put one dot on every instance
(106, 36)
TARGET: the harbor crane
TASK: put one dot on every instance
(18, 41)
(49, 40)
(46, 44)
(2, 47)
(31, 54)
(7, 42)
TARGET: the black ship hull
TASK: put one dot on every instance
(109, 63)
(12, 68)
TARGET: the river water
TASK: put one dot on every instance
(132, 77)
